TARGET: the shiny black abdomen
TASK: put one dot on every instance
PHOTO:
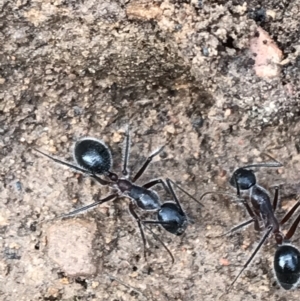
(93, 155)
(172, 214)
(287, 266)
(146, 199)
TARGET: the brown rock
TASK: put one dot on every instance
(142, 12)
(267, 55)
(70, 246)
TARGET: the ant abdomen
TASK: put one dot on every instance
(176, 221)
(93, 155)
(287, 266)
(146, 199)
(243, 178)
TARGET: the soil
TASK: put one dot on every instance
(181, 74)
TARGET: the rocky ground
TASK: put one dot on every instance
(216, 82)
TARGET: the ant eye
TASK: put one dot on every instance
(93, 155)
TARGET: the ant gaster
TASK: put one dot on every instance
(93, 157)
(287, 257)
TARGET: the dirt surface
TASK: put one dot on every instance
(181, 74)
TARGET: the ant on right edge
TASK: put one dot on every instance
(286, 261)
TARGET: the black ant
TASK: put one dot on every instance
(287, 257)
(93, 157)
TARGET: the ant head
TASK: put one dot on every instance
(172, 218)
(93, 155)
(244, 178)
(287, 266)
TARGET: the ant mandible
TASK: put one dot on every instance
(93, 157)
(287, 257)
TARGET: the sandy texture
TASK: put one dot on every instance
(181, 73)
(70, 245)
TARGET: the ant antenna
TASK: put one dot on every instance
(220, 193)
(85, 208)
(77, 168)
(275, 163)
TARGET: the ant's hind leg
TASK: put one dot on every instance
(169, 189)
(169, 182)
(136, 217)
(276, 198)
(293, 228)
(85, 208)
(258, 247)
(290, 213)
(143, 223)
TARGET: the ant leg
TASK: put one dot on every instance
(126, 151)
(140, 222)
(240, 226)
(246, 223)
(293, 228)
(85, 208)
(254, 214)
(249, 210)
(77, 168)
(146, 164)
(276, 198)
(167, 189)
(266, 235)
(156, 182)
(290, 213)
(169, 182)
(136, 217)
(245, 204)
(238, 191)
(165, 247)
